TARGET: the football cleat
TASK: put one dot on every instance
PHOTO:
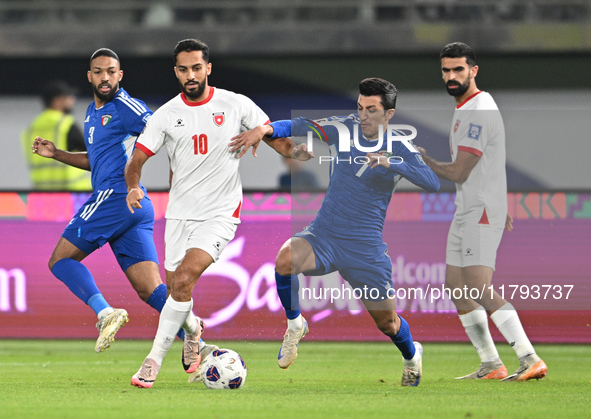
(191, 355)
(494, 370)
(530, 367)
(147, 374)
(205, 350)
(108, 327)
(289, 348)
(411, 377)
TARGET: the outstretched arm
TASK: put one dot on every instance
(250, 138)
(287, 148)
(410, 166)
(458, 171)
(46, 148)
(133, 172)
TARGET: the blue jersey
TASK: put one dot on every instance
(109, 134)
(358, 196)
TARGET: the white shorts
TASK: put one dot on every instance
(472, 244)
(212, 236)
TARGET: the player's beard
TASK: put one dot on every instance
(193, 94)
(460, 90)
(105, 97)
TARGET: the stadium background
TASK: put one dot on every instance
(291, 55)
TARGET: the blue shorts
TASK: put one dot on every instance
(106, 218)
(362, 263)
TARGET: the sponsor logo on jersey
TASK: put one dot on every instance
(218, 118)
(179, 123)
(456, 126)
(474, 131)
(105, 119)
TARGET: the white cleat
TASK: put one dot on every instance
(530, 367)
(191, 355)
(108, 327)
(494, 370)
(147, 374)
(289, 348)
(205, 350)
(411, 377)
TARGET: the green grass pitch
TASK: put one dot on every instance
(66, 379)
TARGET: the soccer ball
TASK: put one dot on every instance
(223, 369)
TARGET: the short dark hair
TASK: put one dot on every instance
(104, 52)
(459, 50)
(379, 87)
(188, 45)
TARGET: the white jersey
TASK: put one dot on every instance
(477, 128)
(205, 181)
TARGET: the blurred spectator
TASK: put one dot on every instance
(57, 125)
(296, 178)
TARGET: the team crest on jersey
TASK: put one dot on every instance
(456, 126)
(219, 118)
(105, 119)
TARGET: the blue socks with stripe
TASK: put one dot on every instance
(403, 340)
(287, 289)
(79, 280)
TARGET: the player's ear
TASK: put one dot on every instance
(390, 113)
(208, 69)
(474, 71)
(88, 75)
(120, 75)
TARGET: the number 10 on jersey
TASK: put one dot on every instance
(200, 144)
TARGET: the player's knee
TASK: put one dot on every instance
(388, 326)
(144, 293)
(283, 262)
(52, 261)
(183, 283)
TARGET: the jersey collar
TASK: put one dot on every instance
(203, 102)
(468, 99)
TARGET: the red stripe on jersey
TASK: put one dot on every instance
(203, 102)
(237, 212)
(484, 218)
(470, 150)
(464, 102)
(268, 122)
(144, 149)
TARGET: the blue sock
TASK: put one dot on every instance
(403, 340)
(79, 280)
(287, 289)
(157, 300)
(97, 302)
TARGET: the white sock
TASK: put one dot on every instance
(172, 318)
(295, 324)
(411, 363)
(507, 321)
(190, 324)
(476, 325)
(105, 312)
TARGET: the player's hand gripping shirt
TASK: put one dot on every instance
(357, 196)
(109, 134)
(477, 128)
(205, 181)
